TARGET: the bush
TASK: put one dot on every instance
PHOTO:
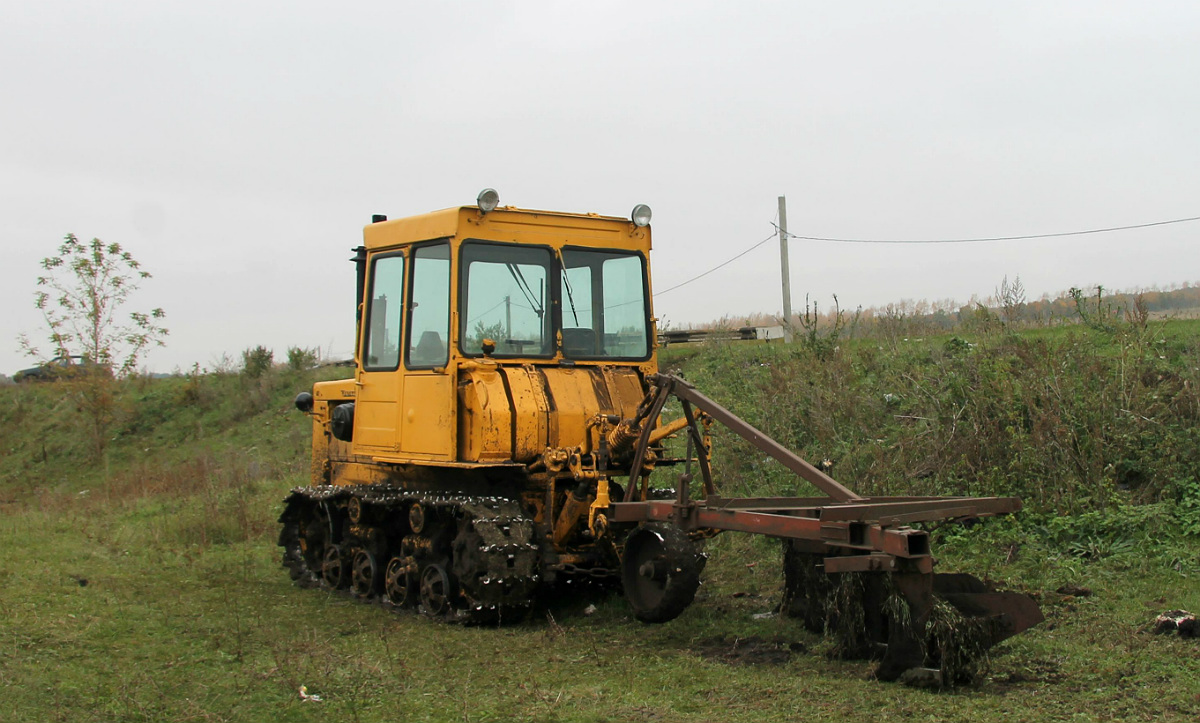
(1070, 420)
(1188, 506)
(299, 358)
(257, 361)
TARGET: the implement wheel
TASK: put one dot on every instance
(660, 572)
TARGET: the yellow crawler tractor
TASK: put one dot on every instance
(502, 425)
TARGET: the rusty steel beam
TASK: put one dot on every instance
(732, 520)
(661, 392)
(798, 504)
(921, 510)
(697, 443)
(902, 542)
(809, 503)
(873, 562)
(789, 459)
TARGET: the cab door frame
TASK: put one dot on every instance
(428, 411)
(380, 385)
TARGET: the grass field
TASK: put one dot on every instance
(148, 588)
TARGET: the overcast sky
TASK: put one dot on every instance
(237, 148)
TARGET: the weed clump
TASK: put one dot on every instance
(301, 358)
(1070, 419)
(956, 644)
(257, 361)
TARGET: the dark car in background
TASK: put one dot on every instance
(56, 368)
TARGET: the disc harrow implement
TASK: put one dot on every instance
(839, 535)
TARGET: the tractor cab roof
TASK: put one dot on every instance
(507, 223)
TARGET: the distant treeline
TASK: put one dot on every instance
(1008, 306)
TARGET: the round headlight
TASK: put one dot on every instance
(488, 199)
(640, 215)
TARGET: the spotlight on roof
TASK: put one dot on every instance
(488, 199)
(640, 215)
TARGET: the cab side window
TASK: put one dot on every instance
(381, 343)
(429, 313)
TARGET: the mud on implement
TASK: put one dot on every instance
(500, 434)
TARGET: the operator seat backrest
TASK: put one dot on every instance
(429, 350)
(579, 342)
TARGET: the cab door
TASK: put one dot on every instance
(378, 378)
(427, 415)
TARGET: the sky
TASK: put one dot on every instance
(237, 148)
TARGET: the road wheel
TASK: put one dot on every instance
(335, 570)
(365, 574)
(400, 583)
(436, 593)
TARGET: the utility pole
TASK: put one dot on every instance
(785, 270)
(508, 317)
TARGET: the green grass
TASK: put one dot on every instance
(166, 631)
(187, 615)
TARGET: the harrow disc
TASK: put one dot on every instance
(660, 572)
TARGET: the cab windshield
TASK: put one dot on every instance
(507, 299)
(603, 305)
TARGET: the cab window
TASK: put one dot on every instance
(429, 310)
(506, 297)
(381, 343)
(604, 314)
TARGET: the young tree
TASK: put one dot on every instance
(81, 296)
(1011, 297)
(84, 288)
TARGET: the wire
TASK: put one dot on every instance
(991, 238)
(480, 316)
(718, 266)
(516, 304)
(924, 241)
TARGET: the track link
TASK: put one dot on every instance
(463, 558)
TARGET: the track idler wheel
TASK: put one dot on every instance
(660, 572)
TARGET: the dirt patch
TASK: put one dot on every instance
(752, 650)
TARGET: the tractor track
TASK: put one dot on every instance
(460, 558)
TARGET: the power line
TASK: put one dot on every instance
(924, 241)
(718, 266)
(517, 304)
(990, 238)
(480, 316)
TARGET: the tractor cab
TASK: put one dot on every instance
(461, 311)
